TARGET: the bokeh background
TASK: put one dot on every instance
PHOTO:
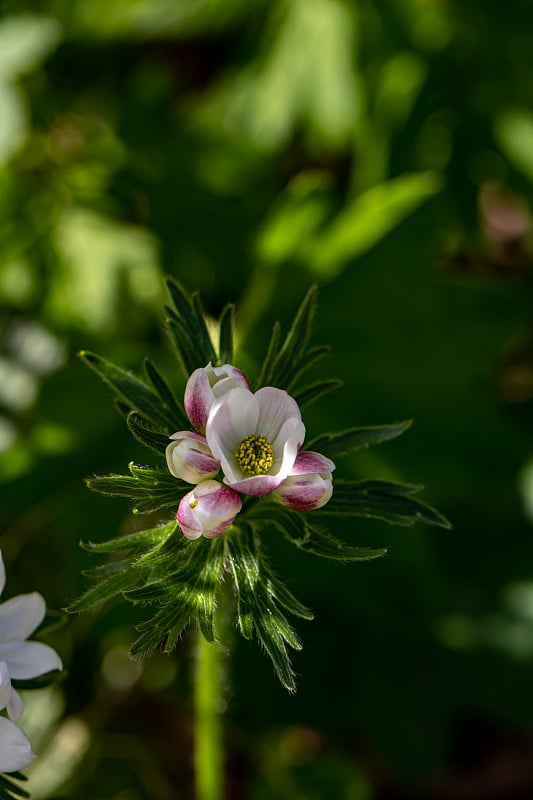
(384, 150)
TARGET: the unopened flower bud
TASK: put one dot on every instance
(208, 510)
(189, 457)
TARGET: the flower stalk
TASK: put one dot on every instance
(208, 744)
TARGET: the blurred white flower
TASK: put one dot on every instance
(15, 748)
(19, 617)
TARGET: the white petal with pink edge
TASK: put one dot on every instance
(189, 457)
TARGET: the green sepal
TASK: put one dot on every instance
(308, 394)
(386, 500)
(344, 442)
(150, 489)
(9, 789)
(146, 434)
(188, 329)
(225, 342)
(297, 528)
(129, 389)
(261, 600)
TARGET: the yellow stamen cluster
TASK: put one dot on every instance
(254, 454)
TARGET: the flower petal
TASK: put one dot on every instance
(208, 510)
(189, 457)
(308, 461)
(305, 492)
(15, 748)
(29, 659)
(5, 685)
(230, 420)
(275, 408)
(20, 616)
(14, 707)
(2, 574)
(198, 398)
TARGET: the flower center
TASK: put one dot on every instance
(254, 454)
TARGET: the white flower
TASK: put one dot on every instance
(189, 457)
(208, 510)
(15, 748)
(309, 486)
(19, 617)
(205, 386)
(255, 437)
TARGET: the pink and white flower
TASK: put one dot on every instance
(255, 437)
(309, 486)
(189, 457)
(208, 510)
(205, 386)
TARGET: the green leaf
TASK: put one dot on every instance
(299, 531)
(261, 600)
(225, 344)
(146, 434)
(343, 442)
(134, 542)
(9, 789)
(265, 377)
(185, 592)
(384, 500)
(295, 342)
(188, 329)
(175, 409)
(41, 681)
(308, 394)
(368, 218)
(131, 390)
(151, 489)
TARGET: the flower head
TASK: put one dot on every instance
(208, 510)
(255, 437)
(205, 386)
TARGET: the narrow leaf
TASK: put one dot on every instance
(166, 394)
(134, 541)
(146, 434)
(313, 392)
(265, 377)
(338, 444)
(225, 344)
(383, 500)
(128, 388)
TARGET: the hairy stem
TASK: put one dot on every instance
(209, 758)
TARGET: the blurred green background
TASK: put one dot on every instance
(383, 149)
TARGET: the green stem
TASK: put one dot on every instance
(209, 760)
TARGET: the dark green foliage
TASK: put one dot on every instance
(384, 500)
(261, 601)
(9, 788)
(150, 489)
(343, 442)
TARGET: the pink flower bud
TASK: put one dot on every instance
(309, 486)
(189, 457)
(208, 510)
(205, 386)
